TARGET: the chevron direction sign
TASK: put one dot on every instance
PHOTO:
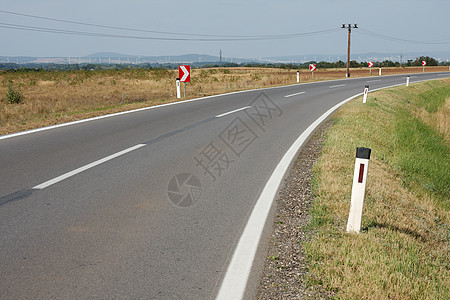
(184, 72)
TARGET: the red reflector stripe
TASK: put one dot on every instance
(361, 173)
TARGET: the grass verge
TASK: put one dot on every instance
(403, 249)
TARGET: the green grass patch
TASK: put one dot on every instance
(423, 158)
(402, 250)
(433, 99)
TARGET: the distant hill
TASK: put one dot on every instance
(107, 54)
(155, 59)
(201, 59)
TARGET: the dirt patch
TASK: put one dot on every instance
(286, 264)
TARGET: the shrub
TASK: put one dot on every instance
(14, 96)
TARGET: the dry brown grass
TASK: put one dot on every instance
(58, 97)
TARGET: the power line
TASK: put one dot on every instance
(107, 35)
(395, 39)
(187, 36)
(216, 36)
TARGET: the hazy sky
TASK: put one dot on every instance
(418, 20)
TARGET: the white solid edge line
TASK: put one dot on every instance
(118, 114)
(86, 167)
(233, 111)
(95, 118)
(376, 80)
(7, 136)
(236, 277)
(192, 100)
(287, 96)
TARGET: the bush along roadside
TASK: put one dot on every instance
(402, 250)
(13, 96)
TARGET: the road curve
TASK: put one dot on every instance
(149, 204)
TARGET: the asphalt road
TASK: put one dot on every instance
(151, 203)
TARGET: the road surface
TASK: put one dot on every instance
(149, 204)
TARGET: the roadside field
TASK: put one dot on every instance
(57, 97)
(402, 251)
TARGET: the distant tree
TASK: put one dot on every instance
(354, 64)
(325, 65)
(340, 64)
(388, 63)
(430, 61)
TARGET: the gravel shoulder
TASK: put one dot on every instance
(286, 264)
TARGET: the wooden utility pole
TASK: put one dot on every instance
(348, 48)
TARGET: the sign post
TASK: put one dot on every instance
(312, 68)
(424, 63)
(184, 73)
(370, 65)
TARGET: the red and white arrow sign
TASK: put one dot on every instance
(424, 63)
(312, 67)
(184, 72)
(370, 64)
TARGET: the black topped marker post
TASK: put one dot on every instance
(358, 189)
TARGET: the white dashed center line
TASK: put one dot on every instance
(86, 167)
(287, 96)
(335, 86)
(231, 112)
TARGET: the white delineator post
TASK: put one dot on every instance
(298, 76)
(358, 189)
(178, 88)
(379, 72)
(407, 80)
(366, 92)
